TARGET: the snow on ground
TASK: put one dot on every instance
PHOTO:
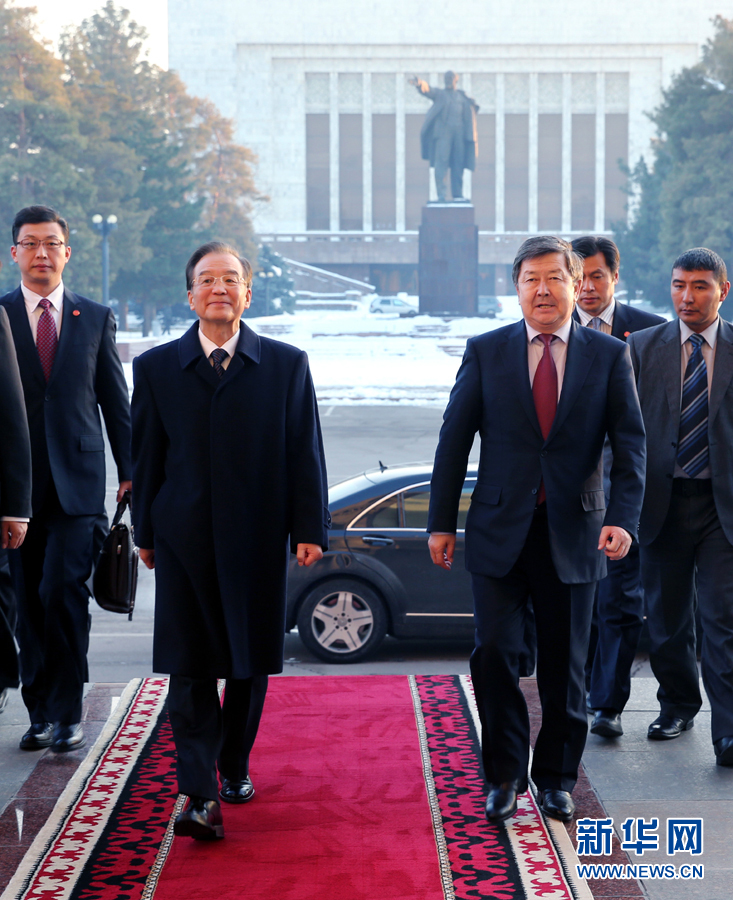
(358, 357)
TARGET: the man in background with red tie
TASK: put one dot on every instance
(543, 393)
(69, 367)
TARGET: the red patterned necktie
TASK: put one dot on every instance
(544, 392)
(46, 338)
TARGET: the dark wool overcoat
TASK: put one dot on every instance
(225, 471)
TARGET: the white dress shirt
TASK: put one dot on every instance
(606, 317)
(56, 297)
(209, 346)
(710, 337)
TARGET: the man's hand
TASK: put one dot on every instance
(308, 554)
(124, 486)
(614, 541)
(441, 548)
(13, 534)
(148, 557)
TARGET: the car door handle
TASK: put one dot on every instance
(377, 541)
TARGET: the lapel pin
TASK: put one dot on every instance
(75, 312)
(626, 333)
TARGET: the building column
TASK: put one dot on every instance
(567, 153)
(400, 151)
(499, 152)
(600, 152)
(533, 179)
(366, 147)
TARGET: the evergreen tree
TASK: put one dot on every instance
(686, 197)
(272, 286)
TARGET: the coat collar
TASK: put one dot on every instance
(190, 352)
(723, 368)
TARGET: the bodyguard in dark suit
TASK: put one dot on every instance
(684, 373)
(229, 468)
(70, 367)
(15, 497)
(618, 615)
(543, 394)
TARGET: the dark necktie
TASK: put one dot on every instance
(596, 323)
(46, 338)
(693, 453)
(544, 392)
(219, 355)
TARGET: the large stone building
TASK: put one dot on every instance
(319, 91)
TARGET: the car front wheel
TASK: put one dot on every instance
(342, 621)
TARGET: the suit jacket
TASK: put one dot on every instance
(224, 471)
(656, 354)
(493, 396)
(67, 442)
(628, 319)
(15, 445)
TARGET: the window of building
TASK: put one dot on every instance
(516, 172)
(384, 172)
(617, 152)
(583, 194)
(317, 176)
(417, 173)
(483, 182)
(351, 177)
(549, 173)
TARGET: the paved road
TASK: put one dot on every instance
(355, 438)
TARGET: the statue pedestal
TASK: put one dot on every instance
(448, 269)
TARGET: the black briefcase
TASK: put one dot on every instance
(115, 577)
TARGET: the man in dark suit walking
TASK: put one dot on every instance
(684, 372)
(543, 393)
(70, 367)
(618, 615)
(228, 467)
(15, 497)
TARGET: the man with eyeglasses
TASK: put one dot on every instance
(69, 367)
(228, 469)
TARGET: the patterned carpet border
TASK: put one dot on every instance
(51, 868)
(111, 830)
(528, 856)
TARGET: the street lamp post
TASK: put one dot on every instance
(105, 226)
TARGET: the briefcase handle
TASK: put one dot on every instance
(121, 507)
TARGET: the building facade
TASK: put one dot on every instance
(320, 93)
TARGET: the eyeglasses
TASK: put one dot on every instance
(207, 281)
(50, 244)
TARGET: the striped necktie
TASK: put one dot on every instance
(219, 355)
(46, 337)
(693, 454)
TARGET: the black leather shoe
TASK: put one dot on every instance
(201, 819)
(664, 728)
(38, 736)
(237, 791)
(558, 805)
(501, 802)
(67, 737)
(724, 751)
(4, 696)
(607, 723)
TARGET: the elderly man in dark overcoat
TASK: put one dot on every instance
(228, 469)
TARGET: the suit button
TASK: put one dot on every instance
(534, 490)
(674, 444)
(543, 454)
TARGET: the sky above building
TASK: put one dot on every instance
(53, 17)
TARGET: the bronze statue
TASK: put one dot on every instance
(448, 135)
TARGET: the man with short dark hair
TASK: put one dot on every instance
(543, 393)
(70, 367)
(618, 614)
(684, 373)
(229, 467)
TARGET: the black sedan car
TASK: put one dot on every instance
(377, 577)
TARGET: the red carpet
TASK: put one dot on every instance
(368, 788)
